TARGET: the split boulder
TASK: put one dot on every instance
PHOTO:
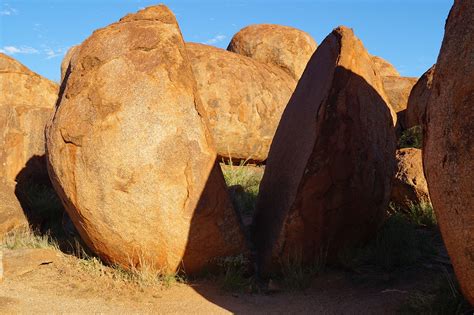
(328, 176)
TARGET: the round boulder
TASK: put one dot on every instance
(283, 46)
(130, 154)
(243, 99)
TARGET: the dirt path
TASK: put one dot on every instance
(63, 287)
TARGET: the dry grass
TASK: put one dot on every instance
(243, 182)
(26, 238)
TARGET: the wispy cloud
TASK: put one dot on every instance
(53, 53)
(216, 39)
(12, 50)
(8, 10)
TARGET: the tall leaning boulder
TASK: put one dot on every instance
(328, 176)
(130, 154)
(243, 99)
(448, 149)
(419, 97)
(27, 101)
(283, 46)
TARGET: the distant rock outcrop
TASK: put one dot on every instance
(448, 147)
(419, 97)
(243, 99)
(384, 68)
(409, 186)
(130, 153)
(286, 47)
(328, 176)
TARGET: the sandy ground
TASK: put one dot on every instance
(64, 287)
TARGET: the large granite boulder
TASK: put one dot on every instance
(448, 149)
(419, 97)
(328, 176)
(243, 99)
(283, 46)
(130, 154)
(27, 101)
(409, 185)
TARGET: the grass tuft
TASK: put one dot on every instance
(444, 298)
(25, 238)
(233, 273)
(398, 244)
(296, 276)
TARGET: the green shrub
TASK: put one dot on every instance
(411, 138)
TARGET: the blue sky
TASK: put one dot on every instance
(408, 33)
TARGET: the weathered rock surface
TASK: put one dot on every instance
(70, 56)
(328, 176)
(286, 47)
(243, 99)
(383, 67)
(419, 97)
(448, 149)
(130, 154)
(409, 185)
(398, 90)
(26, 103)
(11, 213)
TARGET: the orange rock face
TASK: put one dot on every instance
(26, 103)
(130, 154)
(11, 213)
(282, 46)
(448, 149)
(383, 67)
(328, 176)
(409, 185)
(398, 90)
(67, 60)
(243, 99)
(419, 97)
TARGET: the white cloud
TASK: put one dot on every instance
(53, 53)
(216, 39)
(11, 50)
